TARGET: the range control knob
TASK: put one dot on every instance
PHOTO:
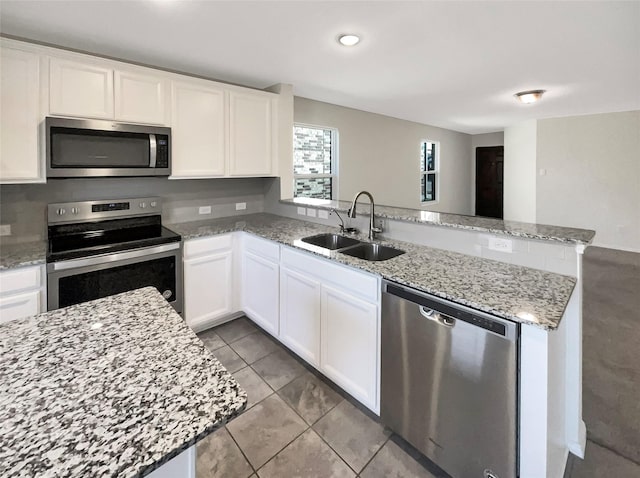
(61, 212)
(143, 205)
(74, 210)
(153, 204)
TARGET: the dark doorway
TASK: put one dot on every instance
(489, 181)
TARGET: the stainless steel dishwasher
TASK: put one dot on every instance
(449, 382)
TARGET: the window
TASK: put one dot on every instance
(429, 159)
(314, 161)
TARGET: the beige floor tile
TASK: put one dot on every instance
(393, 462)
(278, 368)
(265, 429)
(307, 456)
(256, 388)
(236, 329)
(352, 434)
(600, 463)
(254, 347)
(217, 456)
(310, 397)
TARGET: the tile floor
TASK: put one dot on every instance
(297, 424)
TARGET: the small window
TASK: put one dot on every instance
(314, 161)
(429, 159)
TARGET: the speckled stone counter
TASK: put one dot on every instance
(110, 388)
(517, 293)
(543, 232)
(22, 254)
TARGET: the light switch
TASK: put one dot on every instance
(204, 210)
(241, 206)
(311, 212)
(302, 211)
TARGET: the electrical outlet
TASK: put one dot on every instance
(204, 210)
(302, 211)
(322, 214)
(311, 212)
(499, 244)
(241, 206)
(5, 229)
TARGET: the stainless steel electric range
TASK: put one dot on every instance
(101, 248)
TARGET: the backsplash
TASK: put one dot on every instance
(23, 206)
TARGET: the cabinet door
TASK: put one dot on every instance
(80, 89)
(208, 283)
(300, 314)
(140, 98)
(260, 292)
(20, 115)
(250, 134)
(350, 344)
(19, 306)
(197, 130)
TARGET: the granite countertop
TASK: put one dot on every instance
(544, 232)
(517, 293)
(110, 388)
(22, 254)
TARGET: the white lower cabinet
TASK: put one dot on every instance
(300, 314)
(22, 293)
(260, 291)
(349, 337)
(330, 316)
(208, 280)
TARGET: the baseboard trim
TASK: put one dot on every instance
(208, 323)
(578, 447)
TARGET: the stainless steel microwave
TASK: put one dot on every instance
(96, 148)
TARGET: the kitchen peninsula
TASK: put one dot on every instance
(119, 386)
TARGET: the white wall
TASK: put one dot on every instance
(382, 155)
(592, 176)
(477, 141)
(520, 172)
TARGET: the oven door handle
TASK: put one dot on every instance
(119, 256)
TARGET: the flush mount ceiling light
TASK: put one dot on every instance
(349, 39)
(530, 96)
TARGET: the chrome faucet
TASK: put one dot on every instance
(333, 211)
(352, 213)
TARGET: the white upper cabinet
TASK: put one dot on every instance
(80, 89)
(140, 98)
(197, 130)
(20, 116)
(251, 139)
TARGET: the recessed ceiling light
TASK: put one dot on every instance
(349, 39)
(530, 96)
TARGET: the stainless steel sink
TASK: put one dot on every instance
(330, 241)
(372, 252)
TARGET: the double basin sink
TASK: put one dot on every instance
(368, 251)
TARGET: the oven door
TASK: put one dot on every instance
(80, 280)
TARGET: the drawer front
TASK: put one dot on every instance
(360, 284)
(19, 306)
(207, 245)
(261, 247)
(20, 279)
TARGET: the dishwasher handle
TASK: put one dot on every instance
(437, 317)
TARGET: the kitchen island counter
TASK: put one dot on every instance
(112, 387)
(512, 292)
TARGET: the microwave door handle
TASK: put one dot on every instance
(153, 151)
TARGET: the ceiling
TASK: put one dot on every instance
(450, 64)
